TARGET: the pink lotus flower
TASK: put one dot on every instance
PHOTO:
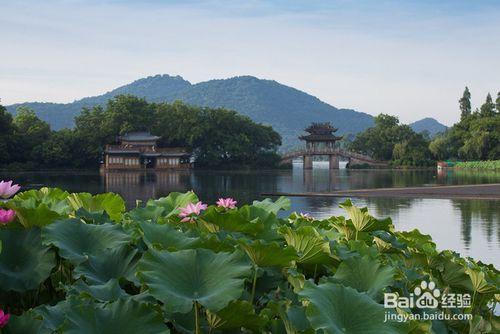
(7, 216)
(226, 203)
(7, 189)
(191, 210)
(4, 318)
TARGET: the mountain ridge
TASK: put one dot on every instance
(287, 109)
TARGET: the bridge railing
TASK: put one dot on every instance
(329, 151)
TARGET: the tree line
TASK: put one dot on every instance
(217, 137)
(475, 137)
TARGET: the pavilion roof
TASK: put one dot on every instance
(320, 137)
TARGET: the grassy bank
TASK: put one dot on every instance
(488, 164)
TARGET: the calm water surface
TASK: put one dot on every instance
(471, 227)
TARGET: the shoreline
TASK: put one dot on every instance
(489, 191)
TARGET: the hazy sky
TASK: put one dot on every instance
(407, 58)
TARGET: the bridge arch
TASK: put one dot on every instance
(334, 155)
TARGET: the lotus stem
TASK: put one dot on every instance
(254, 284)
(196, 319)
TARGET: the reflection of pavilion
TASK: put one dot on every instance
(143, 185)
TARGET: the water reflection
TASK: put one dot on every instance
(467, 226)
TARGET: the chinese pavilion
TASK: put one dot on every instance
(321, 136)
(138, 150)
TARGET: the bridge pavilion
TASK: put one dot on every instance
(321, 138)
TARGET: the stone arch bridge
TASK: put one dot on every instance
(334, 155)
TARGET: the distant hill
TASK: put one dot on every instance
(430, 125)
(287, 109)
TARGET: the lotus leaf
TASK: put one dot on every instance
(336, 309)
(164, 236)
(236, 315)
(40, 207)
(77, 240)
(121, 316)
(364, 275)
(107, 264)
(173, 202)
(180, 278)
(109, 291)
(281, 203)
(110, 203)
(311, 247)
(24, 261)
(27, 323)
(234, 220)
(268, 254)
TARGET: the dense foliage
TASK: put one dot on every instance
(218, 137)
(488, 164)
(77, 263)
(391, 141)
(476, 136)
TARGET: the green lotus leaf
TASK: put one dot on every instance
(112, 204)
(24, 261)
(453, 274)
(336, 309)
(109, 291)
(53, 315)
(40, 207)
(97, 218)
(311, 247)
(121, 316)
(365, 275)
(217, 242)
(173, 202)
(363, 221)
(282, 203)
(417, 242)
(237, 314)
(107, 264)
(149, 213)
(480, 283)
(234, 220)
(293, 317)
(27, 323)
(268, 254)
(180, 278)
(77, 240)
(164, 236)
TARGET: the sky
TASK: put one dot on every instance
(411, 59)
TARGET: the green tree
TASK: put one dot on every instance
(465, 105)
(60, 150)
(488, 107)
(380, 140)
(29, 131)
(497, 102)
(6, 132)
(439, 147)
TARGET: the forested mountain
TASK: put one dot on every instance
(430, 125)
(285, 108)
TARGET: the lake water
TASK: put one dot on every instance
(470, 227)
